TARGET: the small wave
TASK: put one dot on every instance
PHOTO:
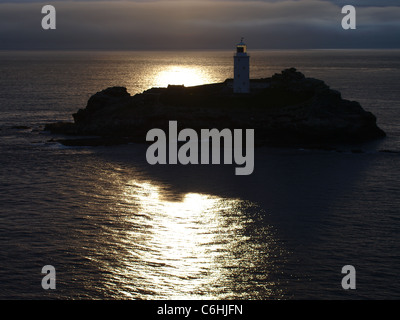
(389, 151)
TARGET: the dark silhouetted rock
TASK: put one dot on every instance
(287, 109)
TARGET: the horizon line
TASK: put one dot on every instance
(188, 50)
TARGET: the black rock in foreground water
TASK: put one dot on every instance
(286, 109)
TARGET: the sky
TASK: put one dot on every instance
(198, 24)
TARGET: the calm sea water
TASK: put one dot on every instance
(115, 227)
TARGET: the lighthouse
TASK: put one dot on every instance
(241, 79)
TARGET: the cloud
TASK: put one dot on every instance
(363, 3)
(197, 24)
(366, 3)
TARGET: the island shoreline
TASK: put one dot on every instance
(285, 110)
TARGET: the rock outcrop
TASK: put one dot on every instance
(286, 109)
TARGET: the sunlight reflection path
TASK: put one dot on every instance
(197, 247)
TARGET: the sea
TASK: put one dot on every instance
(115, 227)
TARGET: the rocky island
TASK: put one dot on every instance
(287, 109)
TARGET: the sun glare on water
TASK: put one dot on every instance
(159, 245)
(181, 75)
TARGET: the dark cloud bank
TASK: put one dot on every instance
(176, 25)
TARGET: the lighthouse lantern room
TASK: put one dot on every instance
(241, 79)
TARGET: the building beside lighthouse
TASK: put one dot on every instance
(241, 78)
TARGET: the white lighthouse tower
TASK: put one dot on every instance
(241, 79)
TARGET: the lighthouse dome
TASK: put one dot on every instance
(241, 47)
